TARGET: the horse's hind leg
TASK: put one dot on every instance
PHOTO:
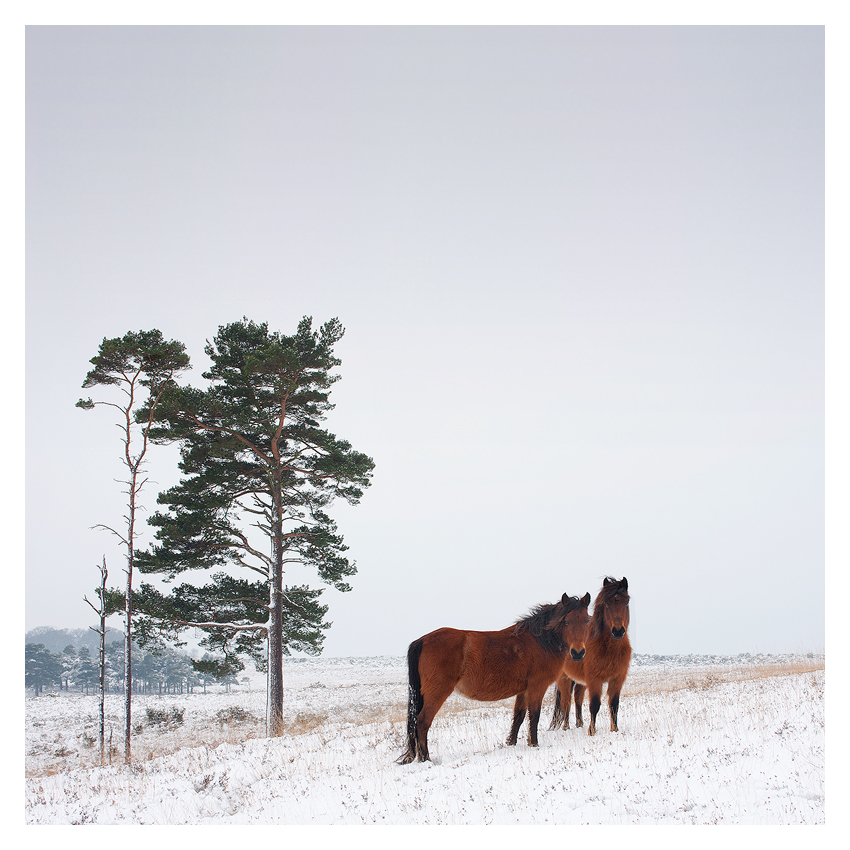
(558, 712)
(432, 705)
(519, 716)
(440, 668)
(579, 699)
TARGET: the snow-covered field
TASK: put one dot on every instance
(702, 740)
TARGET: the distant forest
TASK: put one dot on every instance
(68, 659)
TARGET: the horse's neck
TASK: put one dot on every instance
(597, 625)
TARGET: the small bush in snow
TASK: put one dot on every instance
(161, 717)
(234, 714)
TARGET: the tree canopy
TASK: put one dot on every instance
(258, 473)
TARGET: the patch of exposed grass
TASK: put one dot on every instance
(640, 682)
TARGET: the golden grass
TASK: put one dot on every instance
(640, 682)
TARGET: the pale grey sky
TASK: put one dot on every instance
(582, 275)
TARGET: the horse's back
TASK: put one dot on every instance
(480, 665)
(445, 639)
(443, 653)
(496, 666)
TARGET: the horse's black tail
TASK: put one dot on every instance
(414, 699)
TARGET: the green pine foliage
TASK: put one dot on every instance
(43, 668)
(86, 674)
(259, 471)
(143, 356)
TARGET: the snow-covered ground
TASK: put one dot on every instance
(701, 741)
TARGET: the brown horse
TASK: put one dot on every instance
(521, 660)
(606, 660)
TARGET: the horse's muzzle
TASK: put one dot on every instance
(618, 633)
(576, 655)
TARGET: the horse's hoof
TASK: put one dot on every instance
(407, 758)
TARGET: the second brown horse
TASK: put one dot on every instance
(521, 660)
(606, 660)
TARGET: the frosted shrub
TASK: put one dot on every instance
(161, 717)
(234, 715)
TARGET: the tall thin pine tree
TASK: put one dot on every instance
(142, 366)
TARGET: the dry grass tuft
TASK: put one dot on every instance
(304, 722)
(676, 680)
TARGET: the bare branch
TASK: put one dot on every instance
(107, 528)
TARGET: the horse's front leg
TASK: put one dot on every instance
(614, 703)
(519, 716)
(595, 691)
(534, 708)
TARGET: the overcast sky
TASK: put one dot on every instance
(581, 272)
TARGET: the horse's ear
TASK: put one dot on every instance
(585, 600)
(565, 599)
(625, 583)
(606, 582)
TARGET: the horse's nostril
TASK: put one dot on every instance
(618, 633)
(577, 656)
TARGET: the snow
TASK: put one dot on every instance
(701, 741)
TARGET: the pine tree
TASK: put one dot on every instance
(87, 674)
(141, 366)
(256, 464)
(43, 668)
(210, 669)
(69, 664)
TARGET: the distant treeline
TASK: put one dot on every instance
(57, 639)
(76, 665)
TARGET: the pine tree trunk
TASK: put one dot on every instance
(275, 628)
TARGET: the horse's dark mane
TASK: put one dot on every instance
(605, 595)
(544, 623)
(608, 591)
